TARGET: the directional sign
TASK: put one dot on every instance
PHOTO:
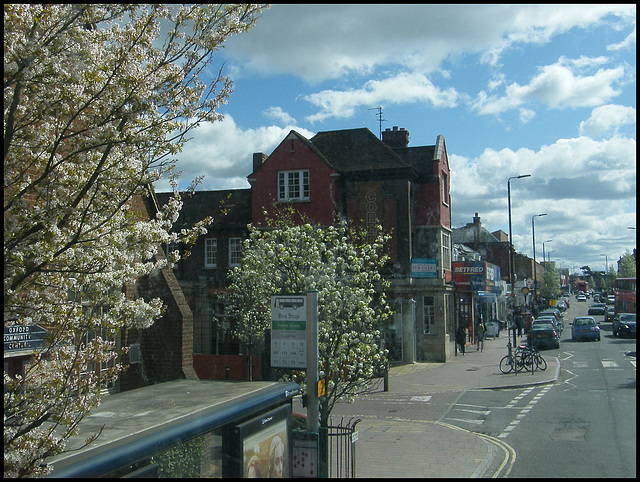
(23, 338)
(289, 331)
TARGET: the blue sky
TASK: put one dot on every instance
(546, 90)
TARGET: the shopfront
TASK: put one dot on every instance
(478, 294)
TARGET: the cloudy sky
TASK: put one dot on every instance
(545, 90)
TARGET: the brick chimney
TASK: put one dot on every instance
(258, 160)
(476, 228)
(396, 138)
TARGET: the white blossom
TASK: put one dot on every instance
(350, 297)
(98, 104)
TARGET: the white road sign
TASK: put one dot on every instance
(289, 331)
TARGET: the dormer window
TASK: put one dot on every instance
(293, 185)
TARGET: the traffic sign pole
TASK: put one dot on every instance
(312, 361)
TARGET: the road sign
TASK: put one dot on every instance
(21, 339)
(289, 331)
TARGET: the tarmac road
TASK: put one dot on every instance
(408, 431)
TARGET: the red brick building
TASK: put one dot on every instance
(356, 176)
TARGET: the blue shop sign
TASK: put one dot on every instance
(423, 268)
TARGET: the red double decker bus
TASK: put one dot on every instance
(625, 291)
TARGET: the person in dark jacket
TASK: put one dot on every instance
(461, 338)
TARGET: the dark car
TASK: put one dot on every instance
(543, 335)
(609, 314)
(624, 324)
(557, 314)
(548, 320)
(597, 309)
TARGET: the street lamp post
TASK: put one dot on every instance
(511, 259)
(535, 269)
(547, 241)
(606, 262)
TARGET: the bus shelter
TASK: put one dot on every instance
(186, 428)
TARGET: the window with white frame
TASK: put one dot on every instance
(210, 253)
(446, 251)
(429, 311)
(235, 251)
(293, 185)
(171, 248)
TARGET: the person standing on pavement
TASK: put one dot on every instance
(519, 322)
(480, 331)
(461, 337)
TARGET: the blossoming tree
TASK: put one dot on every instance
(344, 268)
(98, 101)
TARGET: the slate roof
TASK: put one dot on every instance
(466, 235)
(230, 208)
(353, 150)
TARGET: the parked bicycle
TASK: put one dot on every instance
(531, 358)
(512, 361)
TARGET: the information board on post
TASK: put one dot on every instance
(289, 331)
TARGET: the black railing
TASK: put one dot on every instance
(342, 449)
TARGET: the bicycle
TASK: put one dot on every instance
(531, 358)
(512, 361)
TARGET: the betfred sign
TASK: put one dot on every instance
(476, 276)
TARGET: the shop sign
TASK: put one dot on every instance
(423, 268)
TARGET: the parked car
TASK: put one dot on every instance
(585, 327)
(543, 335)
(557, 314)
(624, 324)
(609, 314)
(597, 309)
(581, 297)
(548, 320)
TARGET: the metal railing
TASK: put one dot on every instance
(342, 448)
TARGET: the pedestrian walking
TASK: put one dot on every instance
(461, 337)
(480, 331)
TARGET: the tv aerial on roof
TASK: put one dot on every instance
(380, 119)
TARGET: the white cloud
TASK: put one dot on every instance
(318, 42)
(278, 115)
(223, 153)
(400, 89)
(557, 86)
(607, 119)
(627, 43)
(583, 185)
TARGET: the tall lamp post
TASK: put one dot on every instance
(511, 260)
(535, 269)
(544, 260)
(606, 262)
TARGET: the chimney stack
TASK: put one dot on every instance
(258, 160)
(476, 228)
(396, 138)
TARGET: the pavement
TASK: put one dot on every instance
(410, 441)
